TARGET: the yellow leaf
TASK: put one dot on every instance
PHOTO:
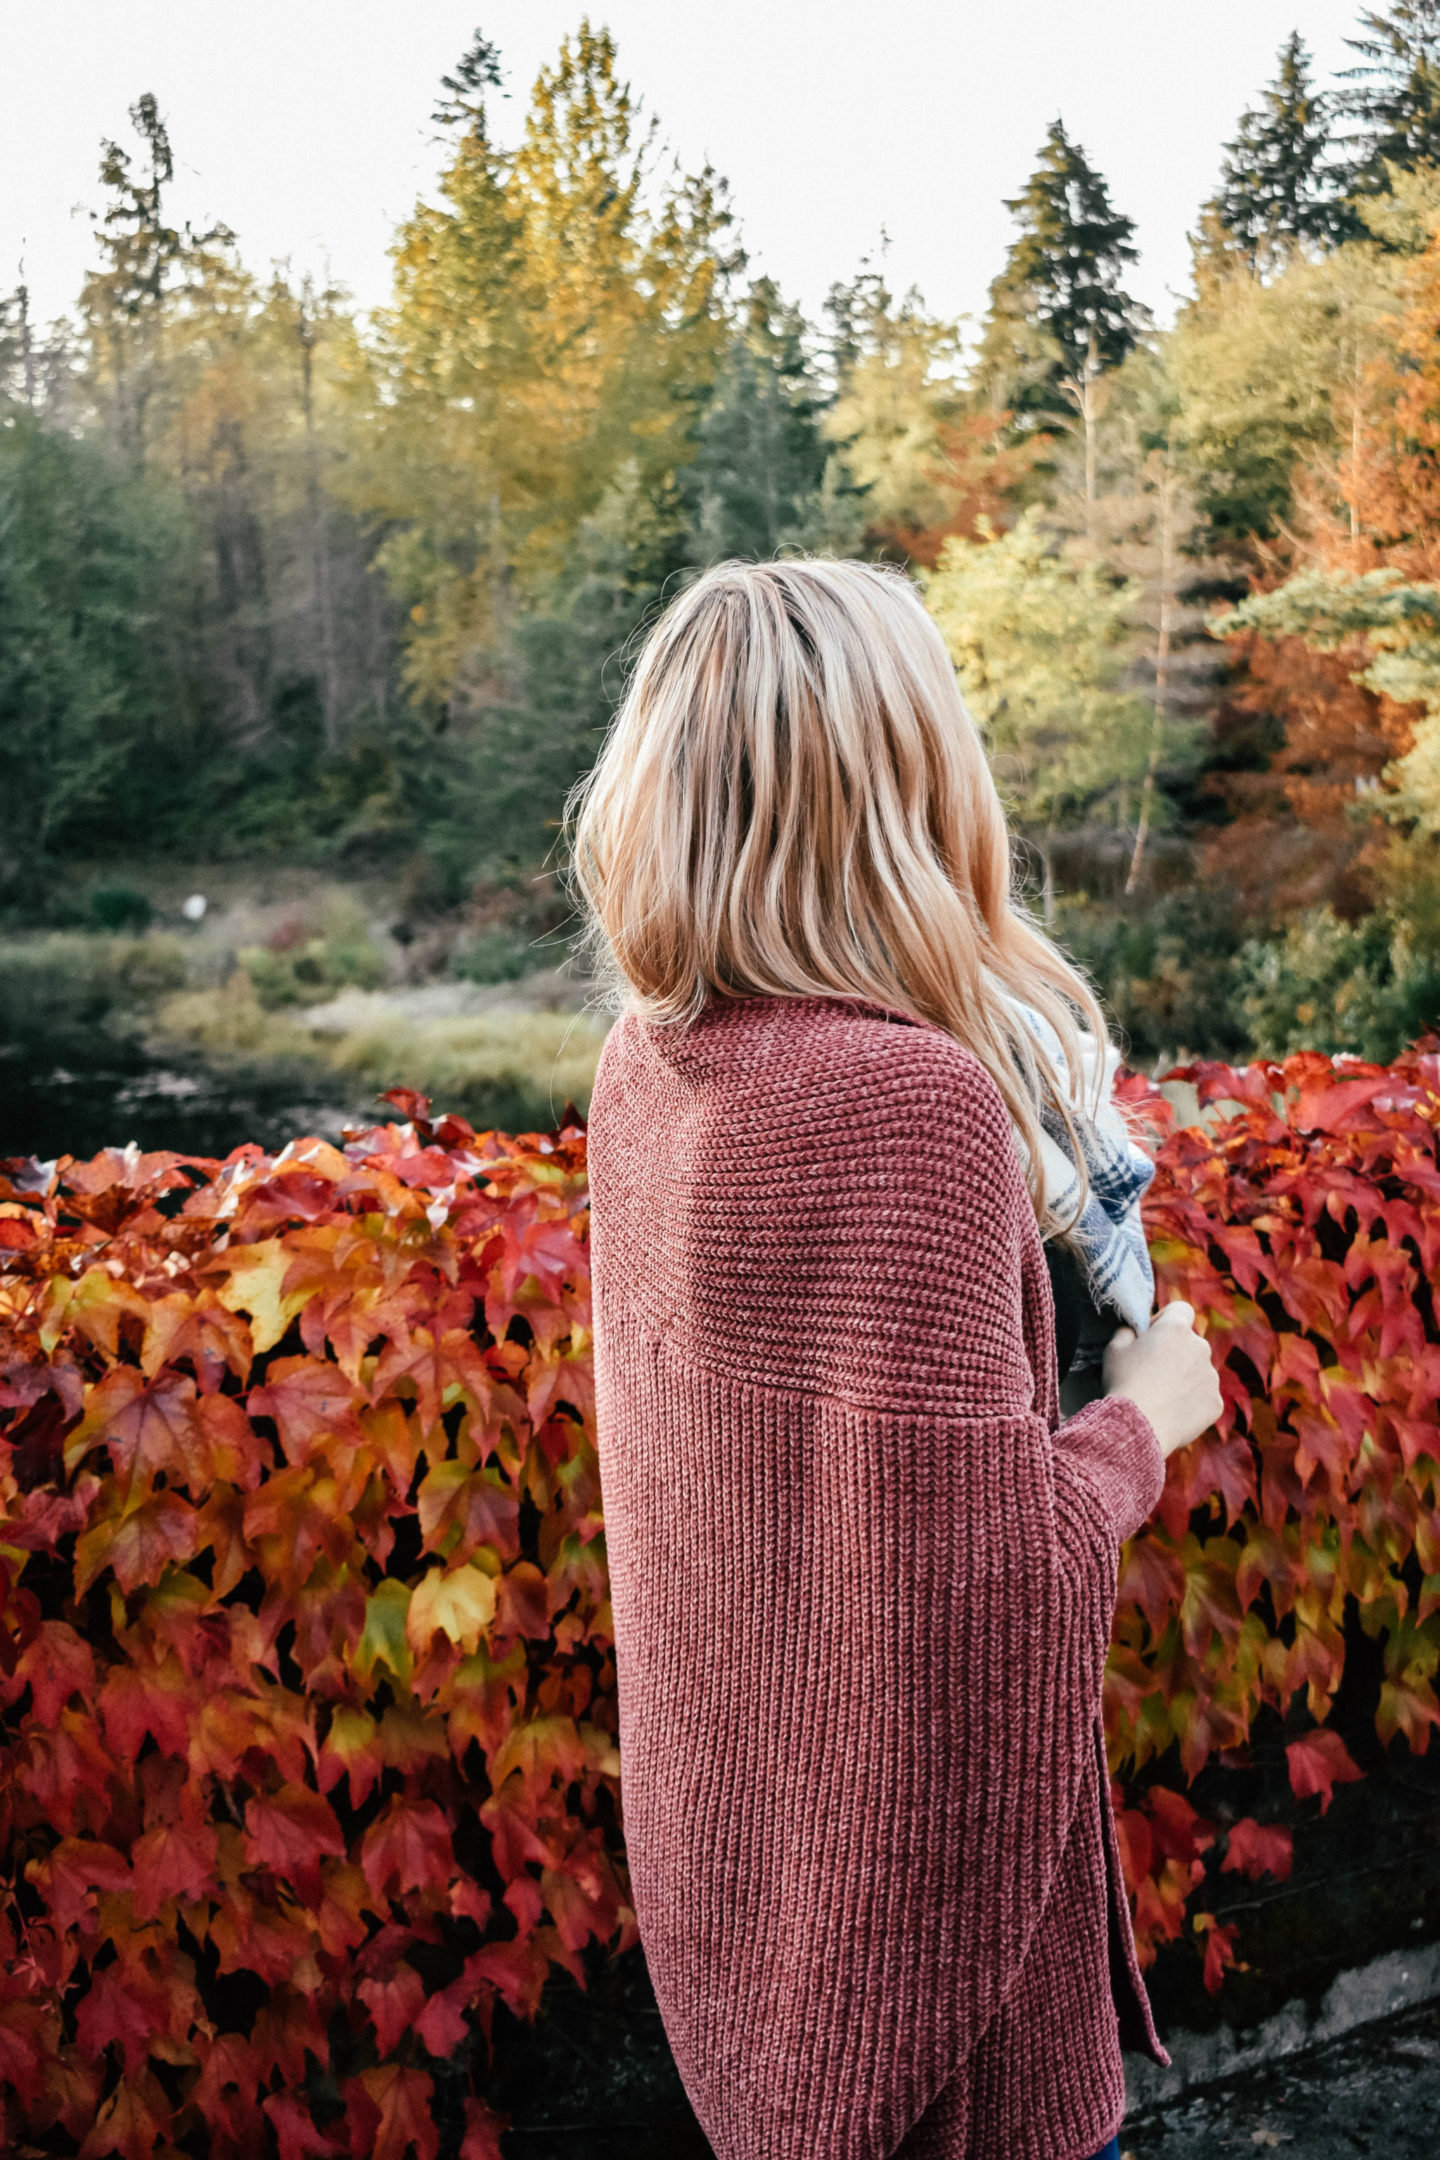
(253, 1275)
(459, 1605)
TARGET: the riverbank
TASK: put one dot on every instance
(267, 1017)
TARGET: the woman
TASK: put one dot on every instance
(862, 1574)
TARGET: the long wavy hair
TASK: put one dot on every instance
(793, 801)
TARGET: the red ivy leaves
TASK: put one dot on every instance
(304, 1625)
(1302, 1221)
(296, 1455)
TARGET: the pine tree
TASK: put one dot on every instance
(1276, 190)
(123, 302)
(1061, 283)
(761, 453)
(1394, 93)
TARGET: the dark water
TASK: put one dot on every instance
(74, 1092)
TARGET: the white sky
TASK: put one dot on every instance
(304, 124)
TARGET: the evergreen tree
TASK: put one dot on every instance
(98, 728)
(1061, 284)
(1394, 92)
(123, 303)
(1276, 190)
(761, 454)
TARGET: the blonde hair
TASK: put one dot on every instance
(793, 801)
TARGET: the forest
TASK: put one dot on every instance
(282, 585)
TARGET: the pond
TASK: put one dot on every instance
(74, 1091)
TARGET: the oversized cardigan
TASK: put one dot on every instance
(862, 1582)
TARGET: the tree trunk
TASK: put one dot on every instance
(1162, 667)
(319, 555)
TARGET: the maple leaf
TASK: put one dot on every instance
(138, 1703)
(22, 2050)
(440, 2024)
(198, 1327)
(172, 1860)
(292, 1518)
(483, 2129)
(67, 1876)
(123, 2010)
(1152, 1577)
(394, 2005)
(98, 1303)
(131, 2122)
(341, 1918)
(295, 2133)
(310, 1402)
(462, 1507)
(1220, 1939)
(517, 1969)
(407, 1848)
(225, 2094)
(384, 1639)
(1254, 1849)
(1209, 1605)
(252, 1281)
(404, 2100)
(523, 1601)
(139, 1546)
(289, 1831)
(459, 1605)
(540, 1752)
(439, 1370)
(1318, 1762)
(57, 1665)
(351, 1750)
(1408, 1705)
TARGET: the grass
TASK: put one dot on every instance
(506, 1067)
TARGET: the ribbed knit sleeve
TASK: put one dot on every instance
(862, 1585)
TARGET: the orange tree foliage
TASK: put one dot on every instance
(307, 1710)
(1292, 836)
(308, 1749)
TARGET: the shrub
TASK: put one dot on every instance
(1303, 1223)
(309, 972)
(118, 907)
(307, 1694)
(67, 979)
(308, 1749)
(1166, 974)
(1364, 988)
(495, 956)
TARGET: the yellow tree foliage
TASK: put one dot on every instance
(556, 316)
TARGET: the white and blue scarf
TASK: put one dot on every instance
(1109, 1237)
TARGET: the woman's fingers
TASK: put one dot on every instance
(1176, 1314)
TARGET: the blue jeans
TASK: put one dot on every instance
(1110, 2151)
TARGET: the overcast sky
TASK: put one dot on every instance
(304, 124)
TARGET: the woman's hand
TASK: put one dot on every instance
(1168, 1373)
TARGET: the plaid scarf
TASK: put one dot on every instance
(1109, 1238)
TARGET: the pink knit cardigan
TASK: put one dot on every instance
(863, 1583)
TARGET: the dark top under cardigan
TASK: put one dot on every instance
(1082, 1329)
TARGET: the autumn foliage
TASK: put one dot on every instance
(1303, 1224)
(307, 1696)
(308, 1746)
